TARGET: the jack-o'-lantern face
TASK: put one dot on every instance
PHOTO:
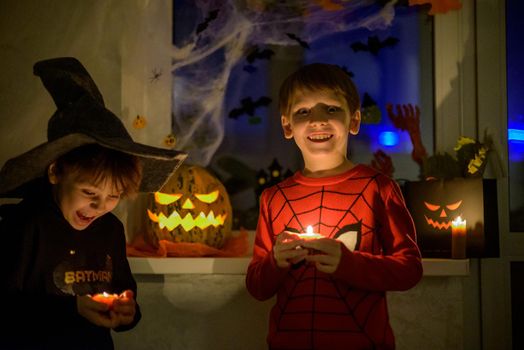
(440, 216)
(193, 206)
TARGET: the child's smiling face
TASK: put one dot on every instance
(81, 201)
(319, 122)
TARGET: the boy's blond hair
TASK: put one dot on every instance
(318, 77)
(96, 164)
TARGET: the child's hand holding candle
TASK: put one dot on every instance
(287, 250)
(309, 235)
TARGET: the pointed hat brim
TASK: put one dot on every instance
(82, 118)
(158, 164)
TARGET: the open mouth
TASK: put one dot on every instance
(84, 219)
(318, 138)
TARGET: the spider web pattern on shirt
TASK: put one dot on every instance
(312, 301)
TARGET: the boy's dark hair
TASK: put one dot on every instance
(96, 164)
(318, 76)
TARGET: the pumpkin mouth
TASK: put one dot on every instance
(187, 222)
(436, 224)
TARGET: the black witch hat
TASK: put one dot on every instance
(82, 118)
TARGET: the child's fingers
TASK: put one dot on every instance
(294, 254)
(324, 263)
(127, 294)
(325, 245)
(87, 303)
(287, 237)
(124, 306)
(285, 257)
(322, 259)
(287, 241)
(124, 309)
(301, 255)
(95, 312)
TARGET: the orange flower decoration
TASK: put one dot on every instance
(438, 6)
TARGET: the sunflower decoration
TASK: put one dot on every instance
(470, 159)
(472, 155)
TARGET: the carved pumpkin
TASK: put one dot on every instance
(434, 204)
(193, 206)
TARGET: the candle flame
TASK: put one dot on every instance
(309, 229)
(458, 221)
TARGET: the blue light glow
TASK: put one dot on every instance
(515, 135)
(388, 138)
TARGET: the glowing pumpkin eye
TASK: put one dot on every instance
(431, 207)
(454, 205)
(166, 198)
(207, 198)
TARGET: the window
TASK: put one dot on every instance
(226, 98)
(515, 91)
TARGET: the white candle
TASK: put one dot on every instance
(458, 238)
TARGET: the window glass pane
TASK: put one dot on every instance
(241, 84)
(515, 93)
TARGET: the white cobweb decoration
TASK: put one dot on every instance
(222, 31)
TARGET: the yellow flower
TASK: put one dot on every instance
(475, 164)
(463, 141)
(478, 161)
(472, 169)
(482, 151)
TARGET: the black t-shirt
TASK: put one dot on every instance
(46, 263)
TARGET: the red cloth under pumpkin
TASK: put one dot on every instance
(234, 246)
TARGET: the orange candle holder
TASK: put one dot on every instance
(458, 238)
(105, 298)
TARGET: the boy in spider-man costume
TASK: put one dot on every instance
(331, 292)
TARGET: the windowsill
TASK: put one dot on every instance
(238, 266)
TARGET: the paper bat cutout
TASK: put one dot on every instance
(210, 18)
(301, 42)
(255, 54)
(259, 54)
(374, 44)
(248, 106)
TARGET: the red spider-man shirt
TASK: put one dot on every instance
(363, 209)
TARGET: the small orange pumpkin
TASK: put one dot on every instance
(193, 206)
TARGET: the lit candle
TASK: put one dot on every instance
(309, 234)
(105, 298)
(458, 238)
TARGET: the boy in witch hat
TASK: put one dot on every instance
(64, 245)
